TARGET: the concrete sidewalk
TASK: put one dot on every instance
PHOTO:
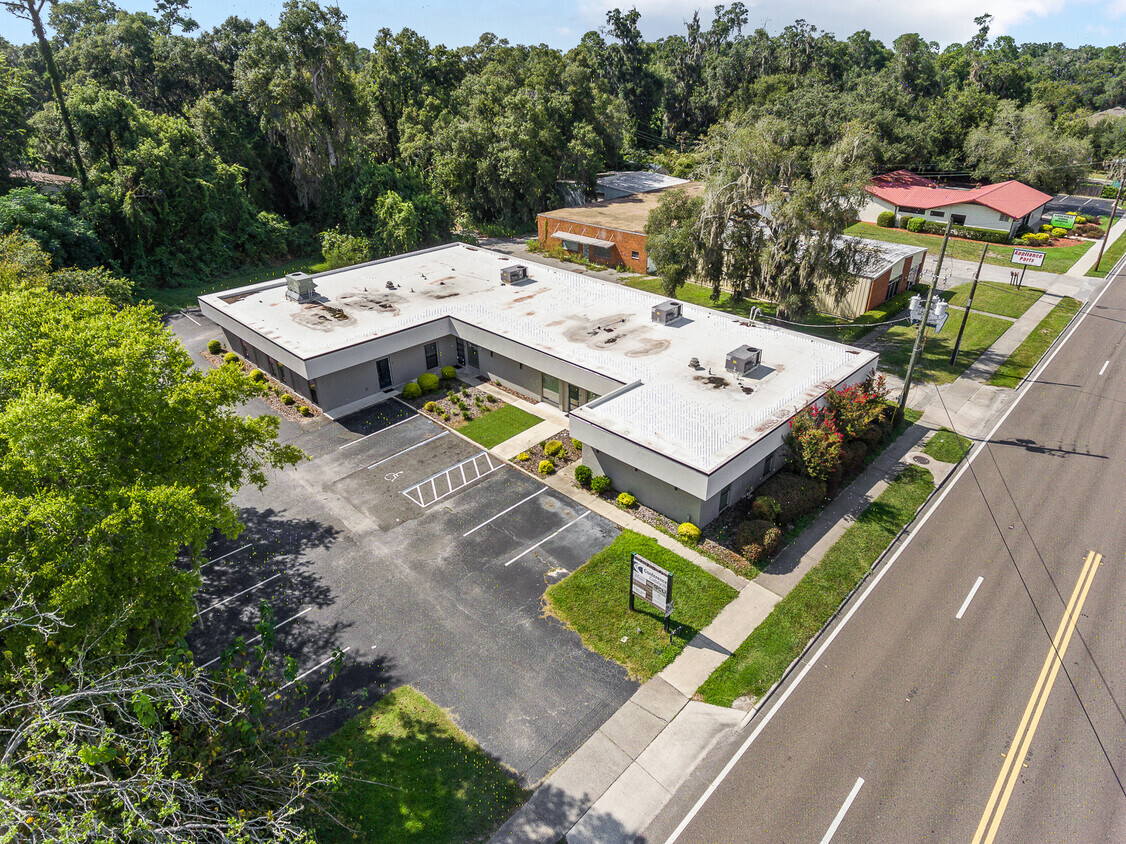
(1087, 259)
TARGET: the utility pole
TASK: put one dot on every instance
(920, 336)
(969, 304)
(1110, 222)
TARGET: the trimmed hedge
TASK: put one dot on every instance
(583, 475)
(411, 390)
(599, 484)
(795, 495)
(546, 467)
(626, 500)
(886, 219)
(758, 539)
(449, 373)
(553, 448)
(428, 382)
(230, 357)
(214, 347)
(688, 532)
(915, 224)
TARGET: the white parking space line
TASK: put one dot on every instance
(502, 512)
(405, 450)
(277, 626)
(969, 597)
(1105, 365)
(844, 811)
(243, 592)
(380, 431)
(433, 489)
(228, 554)
(185, 313)
(542, 541)
(305, 674)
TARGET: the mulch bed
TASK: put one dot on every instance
(565, 458)
(276, 389)
(448, 412)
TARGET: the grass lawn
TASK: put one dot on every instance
(1110, 257)
(184, 296)
(947, 446)
(981, 332)
(760, 661)
(594, 601)
(1058, 259)
(995, 297)
(1028, 353)
(496, 426)
(428, 781)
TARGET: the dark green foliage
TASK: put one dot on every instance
(214, 346)
(428, 382)
(599, 484)
(411, 390)
(765, 508)
(757, 540)
(583, 475)
(449, 373)
(886, 219)
(796, 495)
(230, 357)
(68, 239)
(915, 224)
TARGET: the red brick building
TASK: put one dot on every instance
(611, 232)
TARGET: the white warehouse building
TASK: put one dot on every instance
(683, 406)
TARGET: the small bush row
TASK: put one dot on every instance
(924, 226)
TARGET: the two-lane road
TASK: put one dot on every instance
(977, 692)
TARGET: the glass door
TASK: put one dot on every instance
(550, 389)
(383, 367)
(474, 356)
(572, 396)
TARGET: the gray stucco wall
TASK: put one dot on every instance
(652, 492)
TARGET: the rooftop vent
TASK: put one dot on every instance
(666, 312)
(743, 361)
(509, 275)
(300, 287)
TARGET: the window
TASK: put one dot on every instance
(768, 463)
(1005, 218)
(474, 356)
(383, 369)
(905, 210)
(893, 286)
(938, 213)
(431, 350)
(959, 219)
(460, 345)
(635, 255)
(724, 497)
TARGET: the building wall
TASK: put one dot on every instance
(625, 243)
(675, 503)
(874, 208)
(977, 216)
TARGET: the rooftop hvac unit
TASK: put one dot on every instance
(509, 275)
(300, 287)
(743, 361)
(666, 312)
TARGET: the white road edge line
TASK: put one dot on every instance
(502, 512)
(243, 592)
(228, 554)
(959, 472)
(185, 313)
(405, 450)
(305, 674)
(380, 431)
(542, 541)
(277, 626)
(969, 597)
(1105, 365)
(832, 830)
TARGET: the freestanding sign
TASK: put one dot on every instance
(1028, 257)
(1063, 221)
(650, 583)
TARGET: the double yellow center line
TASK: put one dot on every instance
(1010, 771)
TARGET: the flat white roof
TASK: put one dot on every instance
(638, 181)
(701, 417)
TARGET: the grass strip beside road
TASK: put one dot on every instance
(1110, 257)
(409, 774)
(1025, 356)
(947, 446)
(764, 656)
(1058, 259)
(492, 428)
(981, 332)
(594, 602)
(172, 299)
(994, 297)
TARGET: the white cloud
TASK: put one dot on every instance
(945, 22)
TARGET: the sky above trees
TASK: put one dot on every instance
(456, 23)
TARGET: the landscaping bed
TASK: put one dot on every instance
(453, 402)
(559, 449)
(409, 774)
(275, 394)
(594, 602)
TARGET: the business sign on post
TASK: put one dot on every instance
(1028, 257)
(650, 583)
(1063, 221)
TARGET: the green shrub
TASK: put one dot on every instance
(465, 414)
(304, 411)
(796, 495)
(491, 399)
(583, 474)
(1059, 232)
(286, 399)
(599, 484)
(626, 500)
(904, 220)
(553, 448)
(1087, 231)
(523, 457)
(445, 416)
(576, 445)
(431, 407)
(757, 540)
(256, 375)
(1046, 227)
(452, 396)
(411, 390)
(973, 233)
(689, 533)
(428, 382)
(853, 453)
(915, 224)
(214, 347)
(886, 219)
(765, 509)
(546, 467)
(449, 373)
(1109, 192)
(343, 250)
(230, 357)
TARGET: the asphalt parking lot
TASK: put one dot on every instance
(425, 558)
(1065, 204)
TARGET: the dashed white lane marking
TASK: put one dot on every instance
(277, 626)
(502, 512)
(440, 484)
(243, 592)
(319, 665)
(228, 554)
(542, 541)
(831, 831)
(1105, 365)
(380, 431)
(412, 448)
(969, 597)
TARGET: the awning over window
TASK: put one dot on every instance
(581, 238)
